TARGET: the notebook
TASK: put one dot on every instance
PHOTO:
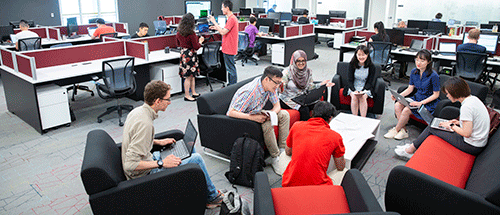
(431, 120)
(310, 97)
(182, 148)
(401, 99)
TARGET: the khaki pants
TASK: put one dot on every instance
(270, 137)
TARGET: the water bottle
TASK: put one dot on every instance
(495, 28)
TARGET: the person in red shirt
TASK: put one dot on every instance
(229, 39)
(102, 29)
(313, 143)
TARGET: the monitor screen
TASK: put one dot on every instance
(420, 24)
(323, 19)
(245, 11)
(195, 7)
(258, 10)
(452, 22)
(5, 32)
(285, 16)
(203, 14)
(494, 22)
(337, 14)
(440, 26)
(266, 22)
(488, 40)
(72, 26)
(447, 47)
(274, 15)
(298, 11)
(486, 26)
(203, 27)
(408, 30)
(397, 36)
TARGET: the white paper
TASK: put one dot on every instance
(273, 117)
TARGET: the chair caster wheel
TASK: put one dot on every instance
(99, 120)
(120, 124)
(92, 94)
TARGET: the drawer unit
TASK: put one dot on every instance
(168, 73)
(278, 54)
(53, 106)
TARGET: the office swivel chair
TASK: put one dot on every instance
(380, 53)
(211, 59)
(245, 53)
(32, 43)
(119, 81)
(113, 35)
(471, 66)
(160, 27)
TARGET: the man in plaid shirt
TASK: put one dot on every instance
(248, 102)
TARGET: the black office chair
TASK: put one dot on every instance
(303, 20)
(31, 43)
(113, 35)
(119, 81)
(211, 60)
(380, 53)
(245, 53)
(471, 66)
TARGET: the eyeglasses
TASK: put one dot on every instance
(420, 60)
(168, 100)
(277, 83)
(300, 61)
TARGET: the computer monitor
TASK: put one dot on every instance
(72, 26)
(494, 22)
(203, 14)
(408, 30)
(337, 13)
(440, 26)
(471, 23)
(420, 24)
(195, 7)
(323, 19)
(447, 47)
(486, 26)
(486, 39)
(266, 22)
(274, 15)
(202, 27)
(298, 11)
(285, 16)
(5, 32)
(397, 36)
(245, 11)
(258, 10)
(31, 23)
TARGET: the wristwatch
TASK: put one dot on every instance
(160, 163)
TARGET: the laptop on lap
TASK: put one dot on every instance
(182, 148)
(431, 120)
(310, 97)
(401, 99)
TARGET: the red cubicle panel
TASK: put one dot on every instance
(53, 33)
(429, 43)
(120, 28)
(262, 15)
(341, 20)
(24, 65)
(409, 37)
(349, 23)
(177, 19)
(468, 28)
(242, 25)
(136, 49)
(291, 31)
(159, 42)
(348, 35)
(366, 34)
(307, 29)
(295, 18)
(276, 28)
(169, 20)
(358, 22)
(7, 58)
(42, 32)
(74, 54)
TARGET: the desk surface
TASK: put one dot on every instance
(328, 27)
(46, 41)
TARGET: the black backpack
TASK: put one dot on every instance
(247, 158)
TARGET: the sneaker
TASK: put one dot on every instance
(255, 57)
(402, 134)
(391, 133)
(217, 201)
(403, 146)
(401, 152)
(275, 163)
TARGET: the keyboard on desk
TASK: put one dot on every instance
(74, 36)
(8, 44)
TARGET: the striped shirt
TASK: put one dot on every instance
(252, 97)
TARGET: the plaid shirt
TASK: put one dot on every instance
(252, 97)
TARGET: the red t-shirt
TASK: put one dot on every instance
(313, 143)
(230, 40)
(103, 30)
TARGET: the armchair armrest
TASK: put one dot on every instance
(263, 198)
(449, 112)
(444, 103)
(334, 95)
(175, 133)
(409, 191)
(379, 96)
(169, 190)
(359, 195)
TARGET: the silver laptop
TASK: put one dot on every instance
(431, 120)
(182, 148)
(264, 29)
(13, 38)
(447, 48)
(91, 30)
(401, 99)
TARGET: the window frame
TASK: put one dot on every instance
(80, 15)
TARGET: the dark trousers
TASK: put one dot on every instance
(452, 138)
(305, 111)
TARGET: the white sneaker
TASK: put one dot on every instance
(402, 134)
(275, 163)
(391, 133)
(401, 152)
(403, 146)
(255, 57)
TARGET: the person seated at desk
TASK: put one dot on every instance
(360, 80)
(248, 101)
(426, 83)
(297, 79)
(253, 32)
(472, 45)
(102, 29)
(470, 133)
(438, 17)
(189, 63)
(138, 141)
(380, 34)
(402, 24)
(311, 144)
(273, 9)
(143, 31)
(25, 32)
(303, 19)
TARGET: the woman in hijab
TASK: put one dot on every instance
(297, 79)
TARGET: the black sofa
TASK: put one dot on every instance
(176, 189)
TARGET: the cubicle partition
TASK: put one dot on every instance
(410, 37)
(136, 49)
(42, 31)
(366, 34)
(262, 15)
(307, 29)
(347, 22)
(348, 35)
(242, 25)
(6, 58)
(54, 33)
(18, 62)
(156, 43)
(121, 27)
(429, 43)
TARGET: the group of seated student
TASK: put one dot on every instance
(380, 34)
(253, 32)
(102, 28)
(472, 45)
(24, 33)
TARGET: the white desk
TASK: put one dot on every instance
(49, 42)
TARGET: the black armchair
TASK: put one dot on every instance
(337, 99)
(471, 66)
(119, 81)
(211, 59)
(181, 188)
(31, 43)
(245, 53)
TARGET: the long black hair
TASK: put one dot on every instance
(381, 30)
(355, 62)
(425, 55)
(186, 26)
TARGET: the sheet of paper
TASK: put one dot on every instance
(272, 116)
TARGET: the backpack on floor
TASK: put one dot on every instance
(233, 205)
(247, 158)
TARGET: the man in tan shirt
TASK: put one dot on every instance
(138, 140)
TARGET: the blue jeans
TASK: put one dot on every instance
(231, 68)
(197, 159)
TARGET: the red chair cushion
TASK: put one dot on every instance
(294, 117)
(418, 120)
(324, 199)
(441, 160)
(346, 100)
